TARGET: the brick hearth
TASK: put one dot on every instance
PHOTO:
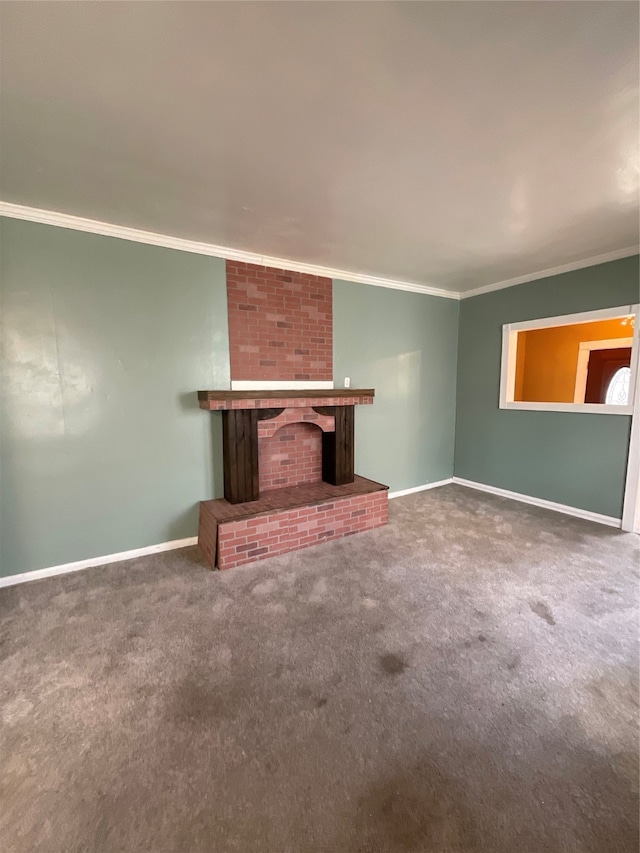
(288, 519)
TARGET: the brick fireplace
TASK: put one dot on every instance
(289, 479)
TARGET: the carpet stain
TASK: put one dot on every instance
(392, 664)
(616, 690)
(467, 644)
(308, 693)
(196, 703)
(414, 812)
(514, 662)
(543, 611)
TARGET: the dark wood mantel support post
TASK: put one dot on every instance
(337, 447)
(240, 450)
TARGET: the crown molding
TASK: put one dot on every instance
(107, 229)
(629, 252)
(151, 238)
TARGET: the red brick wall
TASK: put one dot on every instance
(280, 323)
(293, 455)
(327, 423)
(267, 535)
(290, 447)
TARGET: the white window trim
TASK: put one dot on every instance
(584, 351)
(509, 355)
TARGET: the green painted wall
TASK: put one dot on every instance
(571, 458)
(104, 342)
(403, 345)
(103, 447)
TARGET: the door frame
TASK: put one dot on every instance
(584, 351)
(631, 507)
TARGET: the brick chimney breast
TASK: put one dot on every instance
(280, 324)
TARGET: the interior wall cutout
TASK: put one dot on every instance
(569, 457)
(569, 362)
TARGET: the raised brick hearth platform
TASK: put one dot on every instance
(288, 519)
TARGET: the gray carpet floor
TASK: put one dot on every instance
(461, 681)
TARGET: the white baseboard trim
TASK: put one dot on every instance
(424, 488)
(79, 565)
(66, 568)
(609, 520)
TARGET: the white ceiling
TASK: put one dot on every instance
(455, 144)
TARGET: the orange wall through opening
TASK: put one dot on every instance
(547, 359)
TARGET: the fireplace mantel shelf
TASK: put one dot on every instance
(286, 393)
(221, 400)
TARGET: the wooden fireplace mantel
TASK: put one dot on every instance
(224, 400)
